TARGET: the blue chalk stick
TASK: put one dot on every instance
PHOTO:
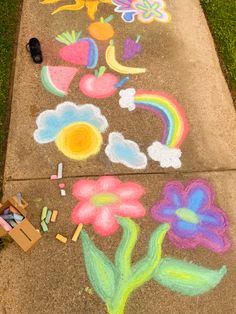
(18, 217)
(7, 217)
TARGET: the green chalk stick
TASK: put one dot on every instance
(48, 217)
(44, 213)
(12, 223)
(44, 226)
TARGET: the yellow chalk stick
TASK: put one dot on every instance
(77, 232)
(54, 215)
(60, 238)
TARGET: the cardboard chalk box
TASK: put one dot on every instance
(24, 234)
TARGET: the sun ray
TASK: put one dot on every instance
(91, 6)
(79, 4)
(50, 1)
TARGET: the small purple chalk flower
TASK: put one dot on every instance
(194, 218)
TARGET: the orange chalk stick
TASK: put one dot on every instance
(60, 238)
(54, 215)
(77, 233)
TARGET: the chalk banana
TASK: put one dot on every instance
(116, 66)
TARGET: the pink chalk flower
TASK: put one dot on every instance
(102, 200)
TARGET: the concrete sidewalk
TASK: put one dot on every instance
(182, 61)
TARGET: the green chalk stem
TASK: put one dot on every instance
(44, 213)
(138, 38)
(101, 71)
(130, 278)
(48, 217)
(44, 226)
(115, 283)
(109, 18)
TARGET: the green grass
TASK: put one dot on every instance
(9, 13)
(221, 15)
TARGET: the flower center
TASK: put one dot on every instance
(104, 199)
(187, 215)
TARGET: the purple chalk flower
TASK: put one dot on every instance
(193, 217)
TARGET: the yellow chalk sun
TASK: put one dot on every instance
(79, 141)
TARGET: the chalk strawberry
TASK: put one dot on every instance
(78, 51)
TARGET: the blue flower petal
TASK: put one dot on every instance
(198, 196)
(214, 218)
(173, 193)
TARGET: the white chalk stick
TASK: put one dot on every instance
(63, 193)
(59, 170)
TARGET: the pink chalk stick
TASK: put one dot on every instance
(5, 225)
(62, 185)
(53, 177)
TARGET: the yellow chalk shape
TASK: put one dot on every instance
(77, 232)
(60, 238)
(54, 215)
(79, 140)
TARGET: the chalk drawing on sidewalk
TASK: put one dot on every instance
(146, 11)
(167, 151)
(126, 152)
(101, 84)
(76, 129)
(78, 5)
(194, 218)
(116, 66)
(57, 79)
(80, 51)
(108, 204)
(131, 48)
(102, 30)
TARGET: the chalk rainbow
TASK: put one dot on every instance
(169, 111)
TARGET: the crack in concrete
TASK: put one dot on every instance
(165, 174)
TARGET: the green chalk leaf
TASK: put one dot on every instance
(187, 278)
(68, 38)
(100, 270)
(124, 251)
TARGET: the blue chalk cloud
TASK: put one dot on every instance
(51, 122)
(126, 152)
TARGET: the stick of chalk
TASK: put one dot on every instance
(5, 225)
(63, 193)
(6, 211)
(7, 217)
(19, 197)
(12, 223)
(44, 213)
(60, 238)
(18, 217)
(77, 233)
(59, 170)
(54, 216)
(48, 217)
(53, 177)
(13, 210)
(44, 226)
